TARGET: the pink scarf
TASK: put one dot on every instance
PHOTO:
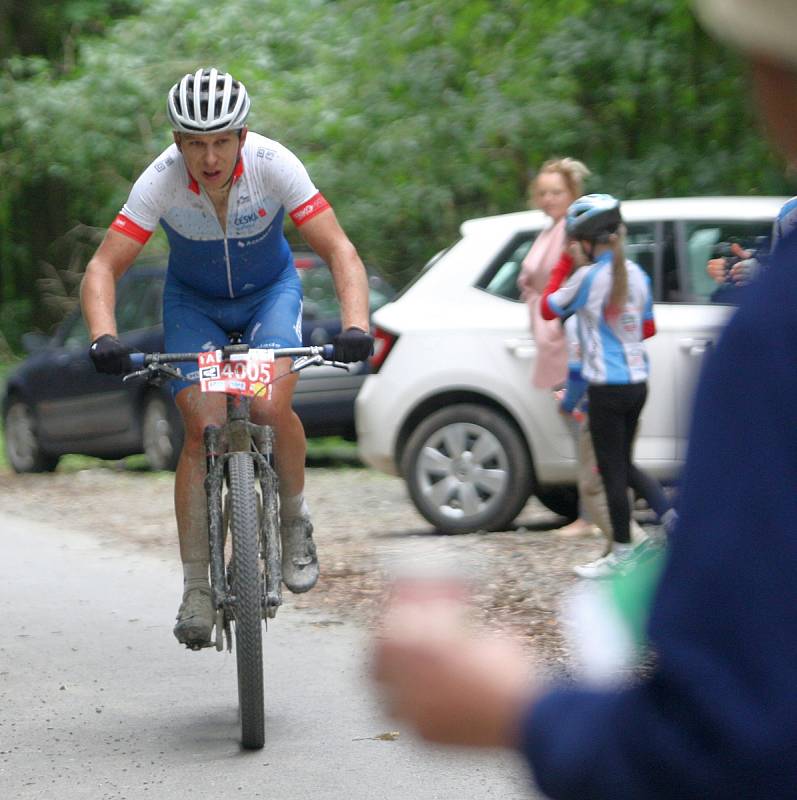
(550, 366)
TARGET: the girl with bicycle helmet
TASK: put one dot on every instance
(612, 300)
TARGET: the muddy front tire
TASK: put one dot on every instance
(246, 588)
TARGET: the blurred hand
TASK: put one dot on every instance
(576, 252)
(559, 395)
(109, 355)
(717, 268)
(452, 686)
(353, 344)
(740, 271)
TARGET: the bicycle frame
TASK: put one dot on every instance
(239, 435)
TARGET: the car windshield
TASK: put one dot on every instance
(320, 301)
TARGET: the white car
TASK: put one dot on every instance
(450, 405)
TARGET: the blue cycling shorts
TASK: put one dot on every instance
(192, 322)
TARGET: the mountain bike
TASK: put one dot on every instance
(242, 502)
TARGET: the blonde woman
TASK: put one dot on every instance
(558, 183)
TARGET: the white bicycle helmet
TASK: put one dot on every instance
(208, 101)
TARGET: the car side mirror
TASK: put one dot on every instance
(33, 342)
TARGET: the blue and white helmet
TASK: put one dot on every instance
(593, 216)
(208, 101)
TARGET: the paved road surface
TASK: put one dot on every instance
(97, 700)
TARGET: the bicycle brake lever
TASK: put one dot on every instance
(155, 373)
(306, 361)
(338, 365)
(172, 372)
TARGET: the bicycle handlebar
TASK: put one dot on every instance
(139, 360)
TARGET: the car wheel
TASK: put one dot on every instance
(23, 450)
(467, 469)
(161, 433)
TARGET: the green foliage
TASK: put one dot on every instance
(411, 116)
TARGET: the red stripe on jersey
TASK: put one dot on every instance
(309, 209)
(648, 328)
(129, 228)
(239, 170)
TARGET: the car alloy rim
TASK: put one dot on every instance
(463, 470)
(20, 436)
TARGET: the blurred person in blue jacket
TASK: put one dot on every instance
(716, 714)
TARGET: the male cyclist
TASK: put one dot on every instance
(221, 193)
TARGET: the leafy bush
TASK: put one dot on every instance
(410, 115)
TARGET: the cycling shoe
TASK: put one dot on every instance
(195, 618)
(299, 560)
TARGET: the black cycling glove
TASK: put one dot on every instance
(110, 355)
(352, 345)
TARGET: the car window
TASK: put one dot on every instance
(501, 278)
(641, 246)
(703, 240)
(650, 244)
(379, 292)
(139, 303)
(320, 300)
(76, 334)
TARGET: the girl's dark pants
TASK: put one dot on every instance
(614, 411)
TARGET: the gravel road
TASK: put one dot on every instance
(363, 521)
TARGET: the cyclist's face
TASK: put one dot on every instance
(551, 195)
(211, 157)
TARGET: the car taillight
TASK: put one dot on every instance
(383, 344)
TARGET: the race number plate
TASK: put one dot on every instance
(242, 373)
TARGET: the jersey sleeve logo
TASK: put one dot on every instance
(125, 225)
(309, 209)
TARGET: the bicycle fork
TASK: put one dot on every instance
(218, 446)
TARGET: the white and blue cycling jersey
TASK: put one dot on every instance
(612, 347)
(252, 252)
(239, 278)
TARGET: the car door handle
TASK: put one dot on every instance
(696, 347)
(522, 348)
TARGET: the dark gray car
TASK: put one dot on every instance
(56, 403)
